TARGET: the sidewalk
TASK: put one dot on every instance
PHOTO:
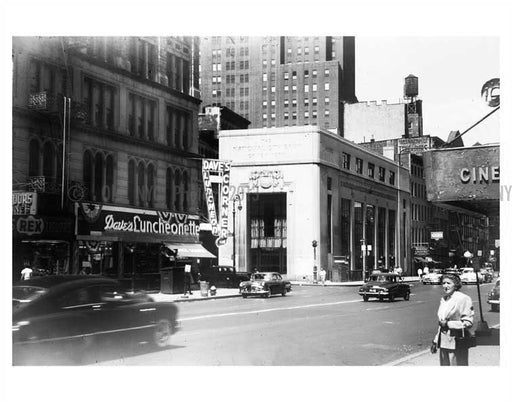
(486, 353)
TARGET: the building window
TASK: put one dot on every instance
(306, 102)
(178, 72)
(273, 89)
(294, 115)
(265, 103)
(315, 101)
(317, 49)
(264, 77)
(326, 100)
(286, 114)
(306, 114)
(359, 165)
(178, 128)
(314, 114)
(286, 75)
(286, 88)
(306, 88)
(98, 176)
(326, 86)
(273, 116)
(314, 73)
(264, 116)
(141, 117)
(272, 62)
(100, 100)
(294, 88)
(286, 103)
(326, 113)
(294, 102)
(346, 160)
(306, 51)
(371, 170)
(306, 73)
(382, 174)
(315, 87)
(392, 178)
(294, 75)
(273, 103)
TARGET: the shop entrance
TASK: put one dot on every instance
(267, 237)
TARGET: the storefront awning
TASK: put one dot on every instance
(195, 250)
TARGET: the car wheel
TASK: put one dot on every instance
(244, 295)
(407, 295)
(162, 333)
(365, 298)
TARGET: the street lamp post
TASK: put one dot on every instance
(314, 243)
(482, 328)
(236, 199)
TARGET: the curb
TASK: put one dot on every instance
(186, 299)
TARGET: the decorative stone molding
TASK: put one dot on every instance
(266, 180)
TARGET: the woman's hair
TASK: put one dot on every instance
(454, 278)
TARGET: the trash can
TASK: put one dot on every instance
(203, 286)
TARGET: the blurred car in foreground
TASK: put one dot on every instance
(224, 276)
(433, 278)
(265, 284)
(385, 286)
(468, 276)
(493, 298)
(69, 314)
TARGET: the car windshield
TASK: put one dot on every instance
(468, 271)
(381, 278)
(27, 293)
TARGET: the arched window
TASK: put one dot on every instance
(33, 161)
(49, 162)
(131, 182)
(151, 185)
(98, 177)
(169, 189)
(177, 190)
(109, 178)
(141, 185)
(87, 173)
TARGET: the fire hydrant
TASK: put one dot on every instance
(213, 291)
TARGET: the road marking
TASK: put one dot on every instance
(268, 310)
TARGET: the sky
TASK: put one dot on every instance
(451, 72)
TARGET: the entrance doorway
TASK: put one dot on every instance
(267, 237)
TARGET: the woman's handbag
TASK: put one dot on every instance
(464, 337)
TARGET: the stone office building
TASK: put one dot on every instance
(105, 140)
(301, 185)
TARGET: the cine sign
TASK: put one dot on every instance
(436, 235)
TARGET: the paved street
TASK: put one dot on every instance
(315, 326)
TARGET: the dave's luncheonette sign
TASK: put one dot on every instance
(217, 171)
(123, 222)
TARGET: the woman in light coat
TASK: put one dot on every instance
(454, 315)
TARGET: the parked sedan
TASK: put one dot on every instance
(468, 275)
(55, 315)
(224, 276)
(493, 298)
(433, 278)
(265, 284)
(385, 286)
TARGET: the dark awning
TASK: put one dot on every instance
(195, 250)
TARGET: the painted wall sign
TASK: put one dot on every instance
(24, 203)
(480, 174)
(436, 235)
(37, 225)
(217, 171)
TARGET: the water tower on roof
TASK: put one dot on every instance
(413, 111)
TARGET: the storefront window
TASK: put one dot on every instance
(391, 237)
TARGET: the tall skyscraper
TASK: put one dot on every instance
(280, 81)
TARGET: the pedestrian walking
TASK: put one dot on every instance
(187, 279)
(26, 273)
(322, 276)
(455, 316)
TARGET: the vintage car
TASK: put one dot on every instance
(488, 274)
(468, 275)
(432, 278)
(385, 286)
(265, 284)
(71, 314)
(493, 298)
(224, 276)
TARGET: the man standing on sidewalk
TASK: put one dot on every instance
(322, 276)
